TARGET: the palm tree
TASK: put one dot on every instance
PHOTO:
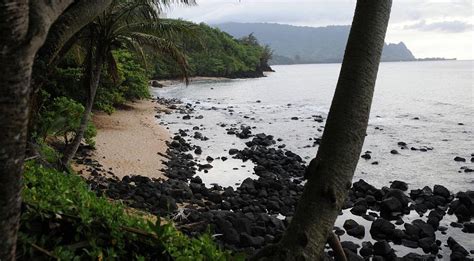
(24, 26)
(330, 173)
(134, 25)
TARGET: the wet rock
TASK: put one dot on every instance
(357, 232)
(402, 144)
(441, 191)
(350, 245)
(156, 84)
(410, 243)
(352, 256)
(249, 241)
(350, 224)
(381, 229)
(427, 244)
(382, 248)
(359, 210)
(417, 257)
(468, 227)
(168, 203)
(233, 151)
(397, 184)
(456, 224)
(363, 186)
(391, 208)
(426, 230)
(230, 235)
(367, 249)
(198, 151)
(457, 251)
(338, 231)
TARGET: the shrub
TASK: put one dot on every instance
(61, 215)
(62, 118)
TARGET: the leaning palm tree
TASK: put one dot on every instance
(134, 25)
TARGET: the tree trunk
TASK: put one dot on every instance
(23, 28)
(330, 173)
(92, 78)
(14, 83)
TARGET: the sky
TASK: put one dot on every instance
(430, 28)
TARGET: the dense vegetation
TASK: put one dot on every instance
(302, 44)
(63, 219)
(217, 54)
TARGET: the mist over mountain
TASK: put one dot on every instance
(302, 44)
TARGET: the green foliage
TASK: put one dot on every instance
(61, 118)
(47, 152)
(135, 84)
(215, 54)
(64, 217)
(65, 81)
(130, 84)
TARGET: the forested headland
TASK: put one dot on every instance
(214, 53)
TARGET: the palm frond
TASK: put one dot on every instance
(163, 27)
(135, 47)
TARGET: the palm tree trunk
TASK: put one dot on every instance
(14, 83)
(330, 173)
(92, 78)
(15, 74)
(23, 28)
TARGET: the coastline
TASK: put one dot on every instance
(257, 212)
(129, 141)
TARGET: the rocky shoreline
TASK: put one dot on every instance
(257, 212)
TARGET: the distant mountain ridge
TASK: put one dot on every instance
(302, 44)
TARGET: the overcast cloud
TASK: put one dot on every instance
(427, 27)
(445, 26)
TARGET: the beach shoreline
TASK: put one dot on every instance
(130, 141)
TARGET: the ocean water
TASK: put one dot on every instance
(424, 104)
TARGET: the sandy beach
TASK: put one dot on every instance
(129, 140)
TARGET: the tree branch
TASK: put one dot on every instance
(42, 16)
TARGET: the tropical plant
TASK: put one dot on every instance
(61, 118)
(134, 25)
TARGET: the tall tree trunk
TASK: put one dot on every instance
(92, 77)
(330, 173)
(23, 28)
(14, 83)
(15, 63)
